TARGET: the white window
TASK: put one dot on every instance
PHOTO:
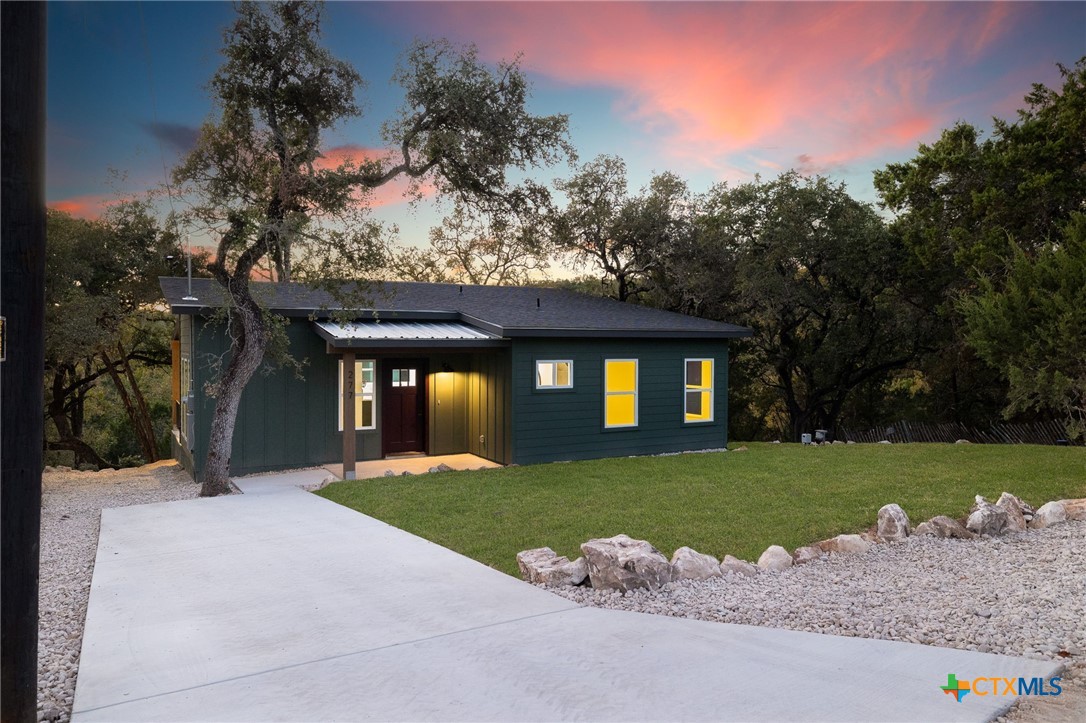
(620, 392)
(184, 421)
(698, 391)
(364, 417)
(554, 374)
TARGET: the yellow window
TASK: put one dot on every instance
(620, 393)
(699, 390)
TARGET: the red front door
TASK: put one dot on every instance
(403, 406)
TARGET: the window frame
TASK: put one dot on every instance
(372, 395)
(184, 405)
(553, 387)
(711, 388)
(636, 394)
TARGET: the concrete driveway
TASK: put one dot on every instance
(281, 605)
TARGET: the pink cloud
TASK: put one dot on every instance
(391, 193)
(714, 79)
(90, 207)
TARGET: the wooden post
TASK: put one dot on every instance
(348, 415)
(22, 304)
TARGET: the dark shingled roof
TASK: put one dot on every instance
(505, 310)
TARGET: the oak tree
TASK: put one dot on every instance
(256, 177)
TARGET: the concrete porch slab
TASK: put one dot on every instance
(368, 469)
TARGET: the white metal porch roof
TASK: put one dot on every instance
(401, 331)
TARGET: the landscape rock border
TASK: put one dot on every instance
(622, 564)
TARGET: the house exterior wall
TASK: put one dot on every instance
(283, 421)
(490, 404)
(487, 405)
(561, 424)
(287, 422)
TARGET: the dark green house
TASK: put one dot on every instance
(512, 374)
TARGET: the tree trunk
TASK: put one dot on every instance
(68, 440)
(147, 442)
(146, 422)
(248, 353)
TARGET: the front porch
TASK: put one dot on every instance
(415, 464)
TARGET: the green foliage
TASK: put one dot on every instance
(815, 274)
(734, 503)
(477, 249)
(257, 180)
(625, 238)
(1031, 325)
(101, 277)
(959, 203)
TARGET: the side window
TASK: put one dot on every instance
(620, 392)
(184, 422)
(698, 391)
(364, 417)
(554, 374)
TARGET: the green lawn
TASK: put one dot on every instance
(737, 503)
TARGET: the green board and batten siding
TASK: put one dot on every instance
(490, 407)
(487, 405)
(557, 425)
(288, 422)
(283, 421)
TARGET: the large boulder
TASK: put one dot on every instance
(740, 567)
(1048, 514)
(893, 523)
(1075, 509)
(688, 564)
(775, 558)
(542, 565)
(806, 554)
(844, 544)
(943, 526)
(1018, 512)
(986, 518)
(623, 563)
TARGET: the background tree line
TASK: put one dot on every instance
(960, 298)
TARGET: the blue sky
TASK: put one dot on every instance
(711, 91)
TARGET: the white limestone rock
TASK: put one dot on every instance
(542, 565)
(943, 526)
(803, 555)
(893, 524)
(1018, 512)
(775, 558)
(986, 518)
(1075, 509)
(844, 544)
(740, 567)
(623, 563)
(1048, 514)
(689, 564)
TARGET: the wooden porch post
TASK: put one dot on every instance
(348, 415)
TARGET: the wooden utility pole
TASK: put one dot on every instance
(22, 304)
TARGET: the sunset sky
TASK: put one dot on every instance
(713, 91)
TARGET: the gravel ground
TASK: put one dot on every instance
(1019, 594)
(71, 510)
